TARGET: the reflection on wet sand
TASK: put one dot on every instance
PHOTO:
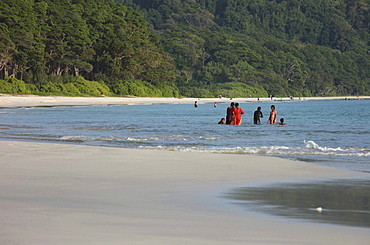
(342, 201)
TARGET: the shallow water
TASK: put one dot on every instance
(334, 133)
(341, 202)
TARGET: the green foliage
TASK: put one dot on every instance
(70, 88)
(91, 87)
(5, 87)
(78, 86)
(239, 90)
(47, 42)
(197, 47)
(14, 86)
(283, 47)
(51, 87)
(130, 87)
(140, 88)
(32, 88)
(168, 91)
(196, 92)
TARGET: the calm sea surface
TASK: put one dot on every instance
(334, 133)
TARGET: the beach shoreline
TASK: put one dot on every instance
(75, 194)
(55, 193)
(15, 101)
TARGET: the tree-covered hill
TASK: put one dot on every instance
(61, 45)
(282, 47)
(202, 48)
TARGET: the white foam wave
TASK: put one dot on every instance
(319, 150)
(187, 138)
(312, 145)
(107, 138)
(114, 138)
(311, 148)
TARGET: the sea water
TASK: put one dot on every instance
(326, 132)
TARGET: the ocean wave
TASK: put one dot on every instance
(310, 148)
(182, 143)
(312, 145)
(105, 128)
(20, 126)
(105, 138)
(115, 138)
(187, 137)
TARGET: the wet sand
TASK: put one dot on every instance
(338, 201)
(74, 194)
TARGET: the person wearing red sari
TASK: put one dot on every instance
(273, 113)
(238, 114)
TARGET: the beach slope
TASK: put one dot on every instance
(73, 194)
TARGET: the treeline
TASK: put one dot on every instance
(81, 47)
(309, 47)
(193, 48)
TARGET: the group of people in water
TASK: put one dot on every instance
(234, 115)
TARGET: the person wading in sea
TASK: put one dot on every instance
(230, 114)
(273, 113)
(238, 114)
(257, 115)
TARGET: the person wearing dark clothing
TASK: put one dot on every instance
(230, 114)
(257, 115)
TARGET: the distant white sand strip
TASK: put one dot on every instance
(32, 100)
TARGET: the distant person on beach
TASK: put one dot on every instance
(230, 114)
(273, 113)
(222, 121)
(238, 112)
(196, 104)
(282, 121)
(257, 115)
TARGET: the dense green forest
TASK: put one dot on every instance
(308, 47)
(194, 48)
(81, 47)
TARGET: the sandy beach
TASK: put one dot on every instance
(8, 101)
(75, 194)
(68, 194)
